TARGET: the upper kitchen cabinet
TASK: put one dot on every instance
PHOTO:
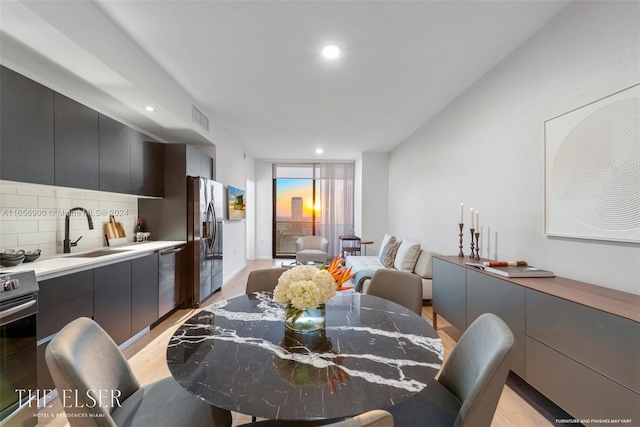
(115, 152)
(198, 163)
(147, 165)
(26, 134)
(77, 147)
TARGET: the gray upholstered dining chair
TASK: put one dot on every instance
(397, 286)
(263, 280)
(312, 249)
(375, 418)
(468, 389)
(87, 365)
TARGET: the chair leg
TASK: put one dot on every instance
(435, 320)
(253, 419)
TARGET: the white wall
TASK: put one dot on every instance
(264, 209)
(32, 216)
(233, 167)
(486, 148)
(375, 199)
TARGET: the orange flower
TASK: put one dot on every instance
(339, 273)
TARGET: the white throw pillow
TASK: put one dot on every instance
(407, 256)
(424, 265)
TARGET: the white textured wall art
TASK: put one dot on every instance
(592, 170)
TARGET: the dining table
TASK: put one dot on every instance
(238, 354)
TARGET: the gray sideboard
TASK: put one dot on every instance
(576, 343)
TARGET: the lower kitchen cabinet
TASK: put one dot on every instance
(123, 298)
(169, 272)
(62, 300)
(112, 300)
(144, 292)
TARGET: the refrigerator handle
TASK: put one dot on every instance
(212, 237)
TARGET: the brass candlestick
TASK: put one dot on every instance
(461, 225)
(477, 245)
(472, 255)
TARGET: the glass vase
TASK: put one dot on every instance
(305, 321)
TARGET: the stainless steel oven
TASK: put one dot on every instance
(18, 351)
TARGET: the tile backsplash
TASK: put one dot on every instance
(32, 216)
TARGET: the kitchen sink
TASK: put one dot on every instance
(96, 254)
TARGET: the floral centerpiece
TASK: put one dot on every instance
(304, 290)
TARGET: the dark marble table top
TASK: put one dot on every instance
(237, 354)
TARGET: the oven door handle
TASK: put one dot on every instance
(16, 309)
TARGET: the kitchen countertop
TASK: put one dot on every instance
(62, 264)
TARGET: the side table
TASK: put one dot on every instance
(365, 243)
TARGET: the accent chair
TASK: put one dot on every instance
(398, 286)
(87, 365)
(467, 391)
(311, 249)
(263, 280)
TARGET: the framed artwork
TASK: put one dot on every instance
(592, 170)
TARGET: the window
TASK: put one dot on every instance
(311, 199)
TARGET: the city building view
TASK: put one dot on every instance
(296, 213)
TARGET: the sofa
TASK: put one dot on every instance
(409, 257)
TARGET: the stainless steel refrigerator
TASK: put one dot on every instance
(205, 216)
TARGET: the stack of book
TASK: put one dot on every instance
(513, 270)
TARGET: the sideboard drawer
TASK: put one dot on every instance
(604, 342)
(582, 392)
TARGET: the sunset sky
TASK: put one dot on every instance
(288, 188)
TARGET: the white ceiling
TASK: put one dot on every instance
(255, 69)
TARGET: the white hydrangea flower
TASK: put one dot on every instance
(304, 287)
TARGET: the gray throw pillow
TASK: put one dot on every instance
(388, 256)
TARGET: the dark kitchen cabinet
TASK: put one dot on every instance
(170, 279)
(166, 219)
(60, 300)
(198, 163)
(144, 292)
(26, 133)
(115, 153)
(112, 300)
(147, 165)
(77, 148)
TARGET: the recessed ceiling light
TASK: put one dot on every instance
(331, 51)
(149, 108)
(319, 150)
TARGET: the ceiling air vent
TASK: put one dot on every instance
(200, 118)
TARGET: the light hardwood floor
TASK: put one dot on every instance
(147, 357)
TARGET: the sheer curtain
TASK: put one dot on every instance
(334, 195)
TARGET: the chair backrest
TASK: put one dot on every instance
(477, 369)
(312, 242)
(397, 286)
(263, 280)
(375, 418)
(87, 365)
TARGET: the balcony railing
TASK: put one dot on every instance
(287, 232)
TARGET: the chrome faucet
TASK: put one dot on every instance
(68, 244)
